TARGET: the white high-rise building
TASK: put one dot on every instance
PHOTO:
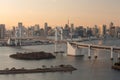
(19, 31)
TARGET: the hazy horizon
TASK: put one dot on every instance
(57, 12)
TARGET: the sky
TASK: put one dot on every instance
(58, 12)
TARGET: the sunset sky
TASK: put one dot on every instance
(57, 12)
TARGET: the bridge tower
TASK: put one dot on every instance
(18, 35)
(58, 31)
(56, 39)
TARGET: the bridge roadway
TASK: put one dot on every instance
(32, 38)
(92, 46)
(24, 38)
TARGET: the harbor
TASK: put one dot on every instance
(100, 67)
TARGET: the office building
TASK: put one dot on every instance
(2, 31)
(112, 30)
(103, 30)
(46, 29)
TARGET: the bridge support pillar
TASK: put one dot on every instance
(119, 56)
(111, 53)
(73, 51)
(95, 55)
(89, 55)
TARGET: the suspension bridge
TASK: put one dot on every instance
(73, 48)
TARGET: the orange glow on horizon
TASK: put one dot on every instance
(57, 12)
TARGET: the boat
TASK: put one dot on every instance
(60, 68)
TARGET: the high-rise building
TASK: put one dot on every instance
(89, 32)
(30, 31)
(2, 31)
(46, 29)
(80, 31)
(20, 26)
(112, 29)
(72, 28)
(36, 27)
(117, 32)
(19, 30)
(95, 31)
(66, 31)
(36, 30)
(111, 25)
(13, 32)
(103, 30)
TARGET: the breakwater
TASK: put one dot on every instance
(32, 55)
(60, 68)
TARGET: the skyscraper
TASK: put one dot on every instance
(72, 27)
(19, 30)
(20, 27)
(112, 29)
(36, 27)
(95, 31)
(103, 30)
(46, 29)
(2, 31)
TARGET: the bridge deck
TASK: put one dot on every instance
(95, 46)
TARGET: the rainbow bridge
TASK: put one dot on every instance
(73, 49)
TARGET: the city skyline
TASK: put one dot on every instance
(58, 12)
